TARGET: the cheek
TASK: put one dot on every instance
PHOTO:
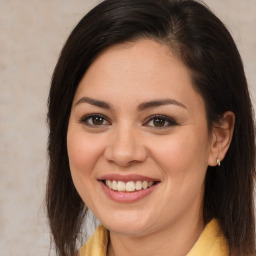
(184, 162)
(183, 159)
(83, 151)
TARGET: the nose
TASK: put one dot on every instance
(125, 147)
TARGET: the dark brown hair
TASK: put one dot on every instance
(206, 47)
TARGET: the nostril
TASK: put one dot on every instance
(125, 156)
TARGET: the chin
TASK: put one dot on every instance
(127, 225)
(126, 229)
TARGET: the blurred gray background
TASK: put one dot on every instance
(32, 33)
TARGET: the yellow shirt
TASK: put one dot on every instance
(211, 242)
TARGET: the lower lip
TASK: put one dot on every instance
(126, 197)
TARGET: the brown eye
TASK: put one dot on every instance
(97, 120)
(160, 121)
(94, 120)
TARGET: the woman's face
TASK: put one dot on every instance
(138, 142)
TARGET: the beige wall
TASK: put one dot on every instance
(32, 33)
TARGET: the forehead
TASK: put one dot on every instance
(141, 69)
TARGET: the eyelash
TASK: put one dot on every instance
(170, 122)
(166, 119)
(85, 120)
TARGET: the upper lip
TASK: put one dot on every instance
(126, 178)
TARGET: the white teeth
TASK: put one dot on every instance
(129, 186)
(144, 184)
(109, 183)
(120, 186)
(138, 185)
(114, 185)
(150, 183)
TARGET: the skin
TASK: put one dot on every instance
(169, 220)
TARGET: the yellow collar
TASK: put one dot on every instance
(211, 242)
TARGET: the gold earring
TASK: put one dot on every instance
(218, 161)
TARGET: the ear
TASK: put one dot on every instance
(222, 133)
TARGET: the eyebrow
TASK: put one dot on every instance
(158, 103)
(98, 103)
(141, 107)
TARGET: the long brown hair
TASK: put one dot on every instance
(206, 47)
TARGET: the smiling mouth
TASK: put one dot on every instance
(130, 186)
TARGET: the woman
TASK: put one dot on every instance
(151, 128)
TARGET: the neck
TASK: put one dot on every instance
(176, 239)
